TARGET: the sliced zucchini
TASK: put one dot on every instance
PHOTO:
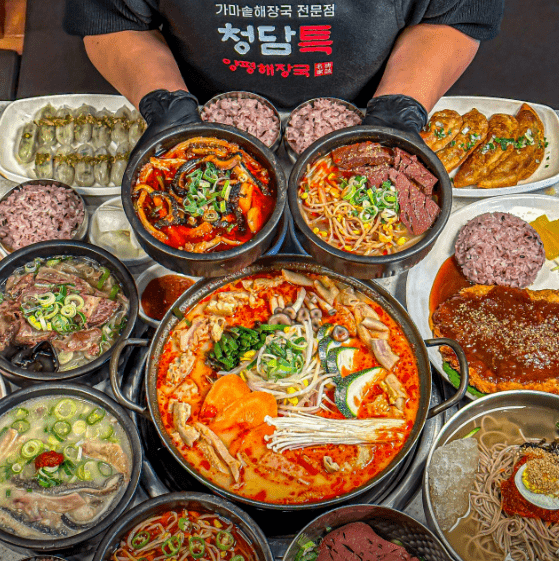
(350, 390)
(325, 345)
(323, 331)
(339, 359)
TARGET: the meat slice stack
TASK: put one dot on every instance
(414, 183)
(358, 542)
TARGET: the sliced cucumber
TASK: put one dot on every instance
(323, 331)
(350, 390)
(325, 345)
(339, 359)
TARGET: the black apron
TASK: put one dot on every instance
(287, 51)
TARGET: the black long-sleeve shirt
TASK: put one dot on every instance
(286, 50)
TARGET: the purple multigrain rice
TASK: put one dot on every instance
(36, 213)
(499, 248)
(313, 120)
(247, 114)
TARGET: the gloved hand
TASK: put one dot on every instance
(398, 112)
(163, 109)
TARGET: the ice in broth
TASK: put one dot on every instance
(64, 462)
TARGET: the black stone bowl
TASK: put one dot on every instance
(199, 502)
(361, 266)
(219, 263)
(83, 542)
(91, 371)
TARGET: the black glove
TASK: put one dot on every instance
(163, 109)
(398, 112)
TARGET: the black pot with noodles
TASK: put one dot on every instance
(369, 201)
(70, 460)
(196, 525)
(204, 200)
(288, 386)
(64, 306)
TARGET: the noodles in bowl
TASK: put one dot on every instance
(510, 513)
(368, 199)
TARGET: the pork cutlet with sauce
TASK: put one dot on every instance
(510, 336)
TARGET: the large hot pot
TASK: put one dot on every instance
(304, 265)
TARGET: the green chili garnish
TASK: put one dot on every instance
(224, 540)
(140, 539)
(197, 546)
(103, 277)
(171, 546)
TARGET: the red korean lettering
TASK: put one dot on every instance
(267, 69)
(315, 38)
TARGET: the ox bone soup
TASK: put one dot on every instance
(64, 463)
(288, 388)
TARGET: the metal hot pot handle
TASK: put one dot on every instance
(464, 374)
(115, 378)
(125, 402)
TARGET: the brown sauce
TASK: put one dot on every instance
(507, 335)
(161, 293)
(448, 282)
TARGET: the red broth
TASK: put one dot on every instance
(161, 292)
(204, 195)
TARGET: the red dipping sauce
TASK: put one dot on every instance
(161, 293)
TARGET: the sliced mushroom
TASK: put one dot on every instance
(330, 465)
(316, 313)
(347, 297)
(340, 333)
(316, 323)
(296, 278)
(281, 302)
(290, 311)
(374, 324)
(303, 315)
(280, 319)
(273, 304)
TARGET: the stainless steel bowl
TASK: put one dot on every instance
(248, 95)
(218, 263)
(388, 523)
(362, 266)
(193, 501)
(289, 148)
(78, 235)
(457, 427)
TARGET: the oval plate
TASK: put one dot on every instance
(421, 277)
(543, 176)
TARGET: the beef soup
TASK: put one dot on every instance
(368, 199)
(60, 313)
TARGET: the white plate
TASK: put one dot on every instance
(421, 277)
(22, 111)
(542, 177)
(114, 218)
(143, 280)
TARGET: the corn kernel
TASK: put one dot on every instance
(347, 248)
(305, 383)
(217, 523)
(291, 389)
(401, 241)
(293, 400)
(384, 238)
(244, 375)
(356, 232)
(323, 234)
(248, 355)
(367, 227)
(332, 175)
(315, 230)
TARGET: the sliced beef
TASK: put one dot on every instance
(413, 169)
(53, 276)
(86, 341)
(98, 310)
(28, 336)
(9, 322)
(359, 542)
(376, 175)
(16, 285)
(362, 154)
(417, 211)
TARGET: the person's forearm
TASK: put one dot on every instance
(135, 62)
(425, 61)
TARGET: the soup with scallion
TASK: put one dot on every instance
(64, 463)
